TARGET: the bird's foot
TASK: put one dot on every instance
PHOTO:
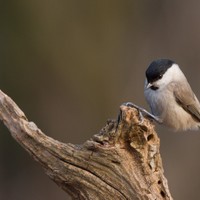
(142, 111)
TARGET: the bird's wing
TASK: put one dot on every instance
(186, 98)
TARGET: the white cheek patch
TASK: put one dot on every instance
(173, 73)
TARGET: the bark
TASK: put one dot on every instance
(117, 163)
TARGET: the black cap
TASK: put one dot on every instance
(157, 68)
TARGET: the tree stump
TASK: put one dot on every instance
(121, 162)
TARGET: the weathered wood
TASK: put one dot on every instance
(114, 164)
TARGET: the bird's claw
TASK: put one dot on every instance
(129, 104)
(142, 111)
(118, 120)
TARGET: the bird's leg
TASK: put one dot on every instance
(143, 111)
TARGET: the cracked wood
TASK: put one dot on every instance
(122, 164)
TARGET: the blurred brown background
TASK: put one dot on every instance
(70, 64)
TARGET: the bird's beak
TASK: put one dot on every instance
(149, 85)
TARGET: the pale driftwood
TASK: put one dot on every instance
(122, 164)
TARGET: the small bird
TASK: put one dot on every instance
(170, 97)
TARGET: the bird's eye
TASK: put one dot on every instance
(160, 76)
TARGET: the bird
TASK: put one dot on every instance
(170, 96)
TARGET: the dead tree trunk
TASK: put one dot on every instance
(122, 164)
